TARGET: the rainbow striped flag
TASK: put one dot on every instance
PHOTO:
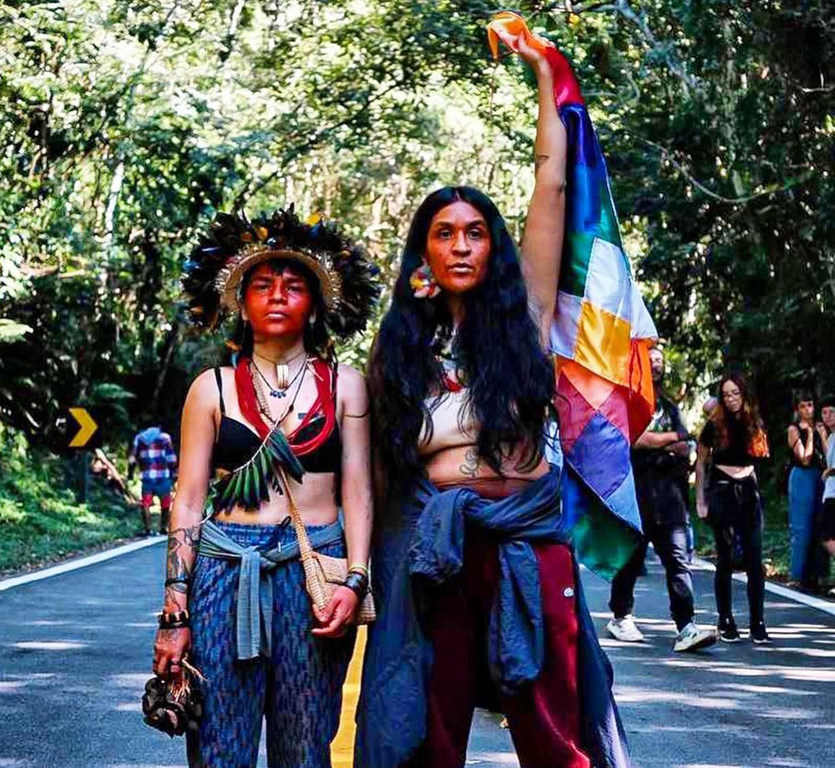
(601, 335)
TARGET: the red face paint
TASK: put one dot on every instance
(458, 247)
(277, 301)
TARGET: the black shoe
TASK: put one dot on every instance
(759, 636)
(728, 633)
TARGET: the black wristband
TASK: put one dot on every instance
(176, 625)
(176, 580)
(174, 620)
(358, 584)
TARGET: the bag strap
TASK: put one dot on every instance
(307, 555)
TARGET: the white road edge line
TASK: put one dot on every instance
(81, 562)
(100, 557)
(777, 589)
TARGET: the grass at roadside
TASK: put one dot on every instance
(40, 519)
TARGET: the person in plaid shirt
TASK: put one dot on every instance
(153, 451)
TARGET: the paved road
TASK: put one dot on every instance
(75, 652)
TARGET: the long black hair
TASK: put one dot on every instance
(496, 345)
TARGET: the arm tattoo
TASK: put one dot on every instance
(539, 161)
(470, 466)
(182, 543)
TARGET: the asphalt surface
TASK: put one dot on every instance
(75, 651)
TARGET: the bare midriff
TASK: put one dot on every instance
(737, 473)
(315, 499)
(460, 466)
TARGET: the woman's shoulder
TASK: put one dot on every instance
(706, 436)
(208, 376)
(351, 388)
(350, 379)
(205, 387)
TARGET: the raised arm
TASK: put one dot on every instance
(545, 222)
(197, 437)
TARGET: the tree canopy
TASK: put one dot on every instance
(127, 125)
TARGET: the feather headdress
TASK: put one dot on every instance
(213, 273)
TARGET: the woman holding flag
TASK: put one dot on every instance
(478, 596)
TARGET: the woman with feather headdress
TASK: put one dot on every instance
(282, 432)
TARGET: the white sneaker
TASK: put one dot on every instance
(625, 630)
(692, 637)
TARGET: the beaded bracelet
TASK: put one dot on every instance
(175, 620)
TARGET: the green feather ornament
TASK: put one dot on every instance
(249, 485)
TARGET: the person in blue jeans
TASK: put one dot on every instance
(827, 520)
(807, 453)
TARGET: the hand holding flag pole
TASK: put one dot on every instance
(511, 29)
(600, 334)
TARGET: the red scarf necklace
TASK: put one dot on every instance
(325, 404)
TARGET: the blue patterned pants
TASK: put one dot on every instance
(298, 689)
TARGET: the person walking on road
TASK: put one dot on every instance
(661, 463)
(733, 440)
(827, 519)
(153, 452)
(807, 454)
(284, 432)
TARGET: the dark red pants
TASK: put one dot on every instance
(544, 718)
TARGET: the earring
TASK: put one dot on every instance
(423, 283)
(311, 321)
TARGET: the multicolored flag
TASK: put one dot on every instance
(601, 335)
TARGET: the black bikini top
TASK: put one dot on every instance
(236, 443)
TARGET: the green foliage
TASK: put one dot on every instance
(128, 125)
(39, 515)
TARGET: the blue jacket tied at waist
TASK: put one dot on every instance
(254, 622)
(421, 537)
(516, 642)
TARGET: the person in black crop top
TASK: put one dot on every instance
(283, 420)
(733, 441)
(807, 455)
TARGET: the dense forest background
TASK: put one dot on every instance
(127, 125)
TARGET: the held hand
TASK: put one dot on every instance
(170, 647)
(680, 448)
(335, 618)
(701, 509)
(520, 43)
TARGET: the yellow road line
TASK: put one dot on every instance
(342, 747)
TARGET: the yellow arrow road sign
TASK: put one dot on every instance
(87, 424)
